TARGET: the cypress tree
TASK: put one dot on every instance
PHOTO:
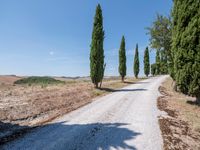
(146, 62)
(157, 62)
(153, 69)
(122, 59)
(186, 46)
(163, 63)
(136, 62)
(97, 51)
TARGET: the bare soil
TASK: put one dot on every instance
(181, 128)
(24, 106)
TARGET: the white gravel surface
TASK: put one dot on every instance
(125, 119)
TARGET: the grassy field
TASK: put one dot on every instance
(181, 130)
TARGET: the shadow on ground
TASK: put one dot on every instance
(130, 82)
(9, 131)
(121, 90)
(74, 136)
(192, 102)
(142, 82)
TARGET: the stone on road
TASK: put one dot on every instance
(124, 119)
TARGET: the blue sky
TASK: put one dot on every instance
(52, 37)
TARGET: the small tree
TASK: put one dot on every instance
(122, 59)
(136, 62)
(97, 51)
(153, 69)
(146, 62)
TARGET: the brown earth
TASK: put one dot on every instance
(181, 128)
(25, 106)
(8, 79)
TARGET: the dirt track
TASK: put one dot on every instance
(125, 119)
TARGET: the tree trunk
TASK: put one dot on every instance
(198, 99)
(174, 86)
(96, 85)
(123, 79)
(104, 67)
(100, 83)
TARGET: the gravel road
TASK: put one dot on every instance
(124, 119)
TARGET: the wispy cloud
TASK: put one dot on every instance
(51, 53)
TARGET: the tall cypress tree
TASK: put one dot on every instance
(146, 62)
(97, 51)
(122, 59)
(157, 62)
(136, 62)
(163, 63)
(153, 69)
(186, 46)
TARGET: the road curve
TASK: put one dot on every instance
(125, 119)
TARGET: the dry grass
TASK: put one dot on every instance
(25, 105)
(181, 130)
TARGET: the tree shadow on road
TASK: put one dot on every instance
(9, 131)
(121, 90)
(76, 136)
(142, 82)
(130, 82)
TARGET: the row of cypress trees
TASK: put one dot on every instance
(177, 42)
(185, 68)
(182, 56)
(97, 65)
(136, 65)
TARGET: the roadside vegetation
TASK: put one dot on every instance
(122, 59)
(186, 47)
(136, 65)
(97, 65)
(176, 40)
(160, 41)
(146, 62)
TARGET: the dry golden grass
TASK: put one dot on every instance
(34, 104)
(25, 106)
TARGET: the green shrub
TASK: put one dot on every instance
(38, 80)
